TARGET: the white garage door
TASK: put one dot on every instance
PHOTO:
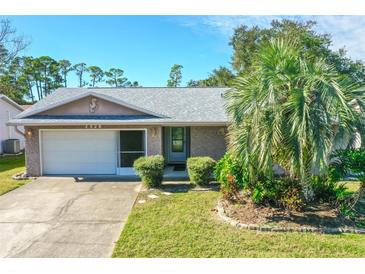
(79, 152)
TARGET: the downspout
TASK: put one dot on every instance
(9, 131)
(19, 131)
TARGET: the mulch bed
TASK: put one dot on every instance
(317, 217)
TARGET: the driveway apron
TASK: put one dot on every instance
(60, 217)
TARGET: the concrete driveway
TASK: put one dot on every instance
(58, 217)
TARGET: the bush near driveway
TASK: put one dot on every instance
(150, 169)
(200, 170)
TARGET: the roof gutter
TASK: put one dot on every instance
(117, 123)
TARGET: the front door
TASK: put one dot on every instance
(132, 145)
(177, 144)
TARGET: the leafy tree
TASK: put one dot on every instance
(27, 76)
(175, 76)
(11, 90)
(355, 69)
(41, 73)
(37, 76)
(220, 77)
(80, 70)
(20, 81)
(50, 75)
(65, 67)
(116, 78)
(195, 83)
(291, 108)
(247, 41)
(96, 75)
(134, 84)
(19, 76)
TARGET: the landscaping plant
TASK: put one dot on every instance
(230, 174)
(291, 108)
(348, 162)
(233, 178)
(200, 170)
(150, 169)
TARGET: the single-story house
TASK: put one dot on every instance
(8, 110)
(88, 131)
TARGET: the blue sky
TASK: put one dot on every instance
(146, 47)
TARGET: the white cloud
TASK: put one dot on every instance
(226, 24)
(346, 31)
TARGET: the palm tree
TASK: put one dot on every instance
(291, 109)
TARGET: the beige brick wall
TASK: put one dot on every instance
(154, 143)
(32, 158)
(208, 141)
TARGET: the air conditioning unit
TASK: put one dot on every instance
(11, 146)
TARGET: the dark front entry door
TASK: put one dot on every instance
(177, 148)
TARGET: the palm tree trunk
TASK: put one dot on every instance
(305, 172)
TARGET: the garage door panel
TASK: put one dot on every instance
(79, 152)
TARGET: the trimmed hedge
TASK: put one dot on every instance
(150, 169)
(200, 170)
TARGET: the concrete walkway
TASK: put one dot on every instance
(58, 217)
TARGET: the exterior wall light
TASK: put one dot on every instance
(29, 133)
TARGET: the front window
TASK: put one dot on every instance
(177, 139)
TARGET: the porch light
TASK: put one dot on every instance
(29, 132)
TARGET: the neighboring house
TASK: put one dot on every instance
(103, 130)
(9, 109)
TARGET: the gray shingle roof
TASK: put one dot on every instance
(195, 105)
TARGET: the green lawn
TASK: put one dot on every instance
(184, 225)
(10, 165)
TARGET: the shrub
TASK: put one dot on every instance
(347, 162)
(328, 190)
(200, 170)
(150, 169)
(281, 192)
(231, 176)
(291, 199)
